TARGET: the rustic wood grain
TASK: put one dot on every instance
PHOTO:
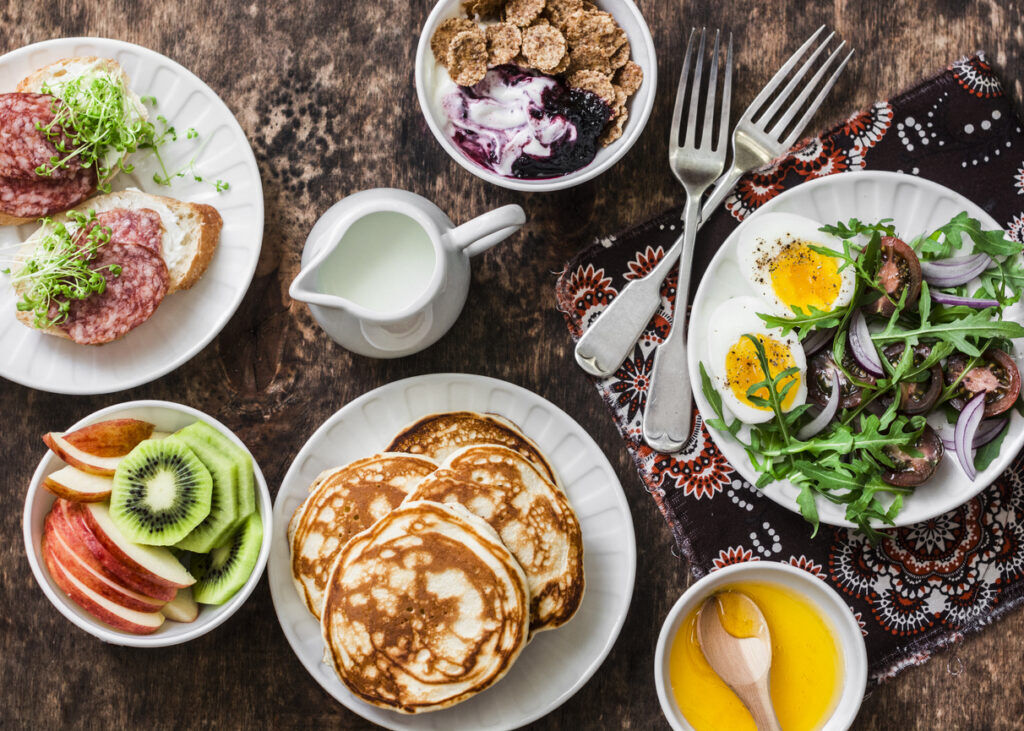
(325, 93)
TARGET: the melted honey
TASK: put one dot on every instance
(802, 277)
(743, 370)
(806, 664)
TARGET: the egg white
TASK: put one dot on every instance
(730, 321)
(764, 237)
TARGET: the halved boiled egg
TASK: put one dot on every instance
(775, 255)
(735, 367)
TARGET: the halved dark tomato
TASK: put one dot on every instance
(995, 375)
(911, 471)
(899, 269)
(819, 380)
(915, 397)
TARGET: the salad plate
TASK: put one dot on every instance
(555, 664)
(916, 206)
(183, 325)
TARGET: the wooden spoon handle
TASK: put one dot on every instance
(758, 700)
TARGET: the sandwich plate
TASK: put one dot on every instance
(916, 206)
(556, 663)
(187, 321)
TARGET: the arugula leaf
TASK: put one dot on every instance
(978, 324)
(986, 454)
(855, 227)
(808, 509)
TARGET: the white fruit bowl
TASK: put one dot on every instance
(168, 417)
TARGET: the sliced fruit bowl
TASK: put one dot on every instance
(76, 549)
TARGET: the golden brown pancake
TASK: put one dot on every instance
(342, 502)
(439, 435)
(424, 609)
(532, 516)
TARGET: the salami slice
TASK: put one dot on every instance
(23, 147)
(35, 198)
(130, 298)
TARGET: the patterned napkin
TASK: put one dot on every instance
(931, 583)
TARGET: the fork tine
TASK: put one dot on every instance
(766, 117)
(723, 125)
(691, 121)
(788, 142)
(809, 87)
(706, 139)
(677, 111)
(780, 75)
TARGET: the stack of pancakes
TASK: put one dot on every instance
(432, 564)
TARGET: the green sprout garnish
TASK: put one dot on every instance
(59, 271)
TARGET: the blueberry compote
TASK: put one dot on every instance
(522, 124)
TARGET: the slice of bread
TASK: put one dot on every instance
(190, 235)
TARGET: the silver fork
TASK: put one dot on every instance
(610, 339)
(696, 163)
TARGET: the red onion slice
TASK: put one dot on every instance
(817, 340)
(988, 430)
(828, 412)
(863, 349)
(952, 299)
(954, 272)
(963, 436)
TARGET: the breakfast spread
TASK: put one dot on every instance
(533, 87)
(432, 564)
(127, 496)
(855, 338)
(806, 663)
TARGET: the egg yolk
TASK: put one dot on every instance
(807, 665)
(743, 370)
(802, 277)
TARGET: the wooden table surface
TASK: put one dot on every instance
(325, 93)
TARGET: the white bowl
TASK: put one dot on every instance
(627, 15)
(167, 416)
(829, 604)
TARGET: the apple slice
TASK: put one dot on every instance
(111, 438)
(182, 608)
(73, 484)
(77, 536)
(77, 458)
(96, 581)
(153, 562)
(118, 617)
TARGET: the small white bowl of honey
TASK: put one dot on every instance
(819, 660)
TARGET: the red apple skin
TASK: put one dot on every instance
(60, 578)
(77, 531)
(111, 438)
(61, 490)
(80, 569)
(53, 441)
(79, 510)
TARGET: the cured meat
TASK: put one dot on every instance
(23, 147)
(130, 298)
(142, 227)
(35, 198)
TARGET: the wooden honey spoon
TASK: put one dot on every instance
(735, 640)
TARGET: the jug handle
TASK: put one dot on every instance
(382, 339)
(477, 236)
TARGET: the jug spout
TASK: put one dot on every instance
(304, 289)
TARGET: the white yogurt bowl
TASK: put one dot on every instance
(820, 595)
(168, 417)
(430, 74)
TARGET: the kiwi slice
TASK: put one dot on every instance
(223, 571)
(216, 526)
(161, 492)
(246, 485)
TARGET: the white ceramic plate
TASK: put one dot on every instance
(917, 206)
(167, 416)
(186, 321)
(557, 663)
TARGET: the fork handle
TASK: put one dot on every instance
(666, 424)
(723, 186)
(610, 340)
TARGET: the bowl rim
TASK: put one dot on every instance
(634, 126)
(80, 618)
(831, 605)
